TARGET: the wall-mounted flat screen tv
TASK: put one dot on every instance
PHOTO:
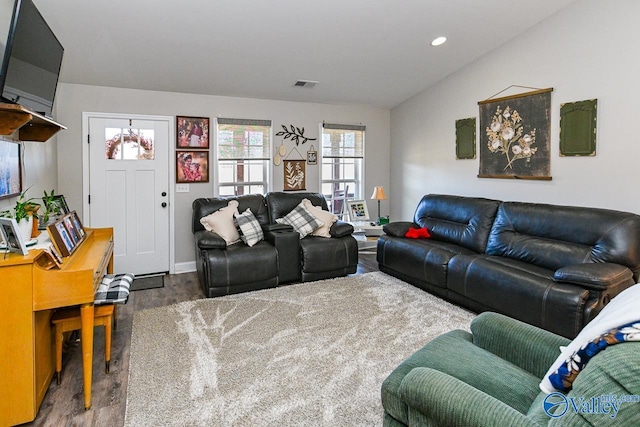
(32, 57)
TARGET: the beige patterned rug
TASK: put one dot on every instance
(310, 354)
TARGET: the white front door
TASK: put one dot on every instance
(129, 190)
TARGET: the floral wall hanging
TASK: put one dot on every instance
(515, 136)
(295, 177)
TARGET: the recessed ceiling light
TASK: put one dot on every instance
(438, 41)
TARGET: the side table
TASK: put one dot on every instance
(366, 234)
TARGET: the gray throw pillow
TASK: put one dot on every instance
(302, 221)
(250, 229)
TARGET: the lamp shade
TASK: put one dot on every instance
(378, 194)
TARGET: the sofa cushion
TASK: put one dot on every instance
(250, 229)
(553, 237)
(462, 221)
(222, 223)
(326, 217)
(421, 259)
(205, 206)
(280, 204)
(302, 221)
(518, 289)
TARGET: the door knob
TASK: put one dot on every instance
(164, 194)
(164, 204)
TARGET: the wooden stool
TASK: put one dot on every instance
(68, 319)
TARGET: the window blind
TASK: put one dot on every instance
(342, 141)
(241, 139)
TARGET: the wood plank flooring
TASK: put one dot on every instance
(63, 404)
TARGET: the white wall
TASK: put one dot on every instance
(39, 170)
(588, 50)
(73, 100)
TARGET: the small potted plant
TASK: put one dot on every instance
(51, 209)
(23, 212)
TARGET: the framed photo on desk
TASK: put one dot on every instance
(357, 210)
(66, 234)
(11, 236)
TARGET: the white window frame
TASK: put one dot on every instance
(356, 185)
(268, 168)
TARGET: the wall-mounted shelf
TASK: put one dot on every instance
(31, 126)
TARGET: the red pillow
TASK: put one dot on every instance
(418, 233)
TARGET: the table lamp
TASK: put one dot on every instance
(378, 194)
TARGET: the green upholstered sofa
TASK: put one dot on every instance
(491, 376)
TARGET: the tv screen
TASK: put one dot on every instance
(32, 57)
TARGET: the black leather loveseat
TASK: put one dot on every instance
(554, 267)
(282, 257)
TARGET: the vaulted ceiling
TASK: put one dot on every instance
(362, 52)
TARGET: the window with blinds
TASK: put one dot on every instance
(244, 150)
(342, 172)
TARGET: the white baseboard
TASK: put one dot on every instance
(184, 267)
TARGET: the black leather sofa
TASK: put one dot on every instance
(551, 266)
(282, 257)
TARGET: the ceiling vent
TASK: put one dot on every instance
(306, 83)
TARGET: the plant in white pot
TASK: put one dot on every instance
(23, 213)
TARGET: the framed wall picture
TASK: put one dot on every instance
(10, 169)
(312, 156)
(192, 166)
(357, 210)
(11, 236)
(515, 136)
(295, 177)
(192, 132)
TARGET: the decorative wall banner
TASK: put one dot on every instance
(578, 128)
(295, 133)
(466, 138)
(294, 175)
(515, 134)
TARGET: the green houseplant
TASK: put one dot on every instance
(23, 212)
(51, 206)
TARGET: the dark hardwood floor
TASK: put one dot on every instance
(63, 404)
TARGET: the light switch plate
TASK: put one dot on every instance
(182, 188)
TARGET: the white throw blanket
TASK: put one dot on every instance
(622, 310)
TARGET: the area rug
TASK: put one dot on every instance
(310, 354)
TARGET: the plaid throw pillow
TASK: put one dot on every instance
(301, 220)
(250, 229)
(114, 289)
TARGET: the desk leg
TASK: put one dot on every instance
(87, 318)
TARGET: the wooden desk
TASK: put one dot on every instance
(28, 296)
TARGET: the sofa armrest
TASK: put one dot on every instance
(209, 240)
(287, 243)
(443, 400)
(275, 227)
(341, 229)
(595, 276)
(398, 228)
(531, 348)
